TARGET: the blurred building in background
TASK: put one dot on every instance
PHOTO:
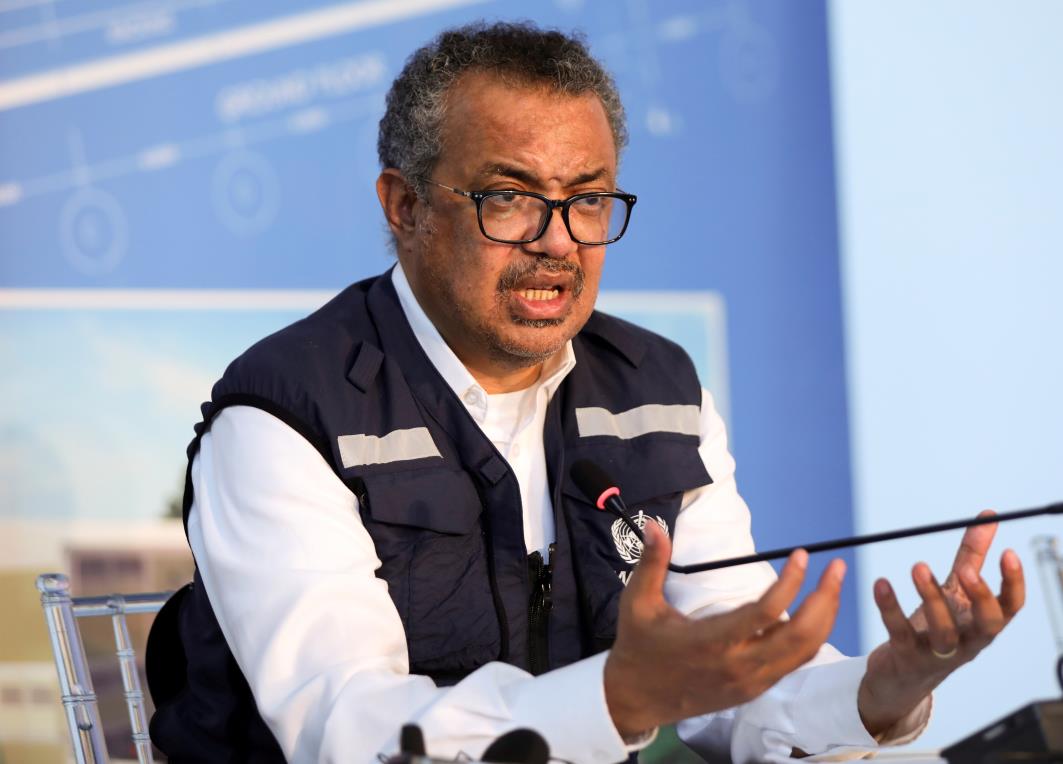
(101, 558)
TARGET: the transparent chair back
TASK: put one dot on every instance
(1050, 568)
(61, 611)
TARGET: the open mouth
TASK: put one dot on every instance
(540, 294)
(542, 287)
(543, 292)
(542, 297)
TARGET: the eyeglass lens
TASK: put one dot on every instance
(514, 217)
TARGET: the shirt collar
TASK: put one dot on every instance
(452, 369)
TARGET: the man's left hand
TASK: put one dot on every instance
(955, 622)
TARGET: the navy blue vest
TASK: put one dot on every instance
(441, 504)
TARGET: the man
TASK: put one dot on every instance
(382, 517)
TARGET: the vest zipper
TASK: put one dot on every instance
(539, 611)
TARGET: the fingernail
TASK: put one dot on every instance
(1011, 560)
(649, 534)
(839, 569)
(882, 588)
(969, 576)
(800, 558)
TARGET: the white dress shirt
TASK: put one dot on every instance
(289, 569)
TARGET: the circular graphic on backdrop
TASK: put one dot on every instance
(749, 63)
(246, 192)
(93, 231)
(663, 122)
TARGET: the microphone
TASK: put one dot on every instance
(411, 740)
(603, 492)
(519, 746)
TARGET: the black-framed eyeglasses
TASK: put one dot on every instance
(521, 217)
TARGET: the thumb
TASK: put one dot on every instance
(647, 580)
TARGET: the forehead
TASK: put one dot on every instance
(489, 119)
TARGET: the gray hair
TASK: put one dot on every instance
(521, 53)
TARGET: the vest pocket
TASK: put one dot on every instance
(426, 528)
(652, 472)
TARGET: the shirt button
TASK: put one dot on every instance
(471, 398)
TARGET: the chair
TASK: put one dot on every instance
(1050, 565)
(61, 612)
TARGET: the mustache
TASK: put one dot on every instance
(517, 272)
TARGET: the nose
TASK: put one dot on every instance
(555, 241)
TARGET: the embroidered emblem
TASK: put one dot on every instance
(627, 543)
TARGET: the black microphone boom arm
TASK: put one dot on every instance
(603, 492)
(871, 538)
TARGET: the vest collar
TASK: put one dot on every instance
(629, 345)
(400, 345)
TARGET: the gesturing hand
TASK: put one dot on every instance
(665, 666)
(954, 623)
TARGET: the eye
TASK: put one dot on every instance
(592, 205)
(502, 202)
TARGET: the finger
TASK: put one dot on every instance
(645, 588)
(974, 545)
(766, 611)
(1012, 585)
(797, 640)
(780, 594)
(821, 605)
(941, 627)
(985, 608)
(896, 622)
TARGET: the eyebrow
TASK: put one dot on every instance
(525, 176)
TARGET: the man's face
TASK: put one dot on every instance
(503, 307)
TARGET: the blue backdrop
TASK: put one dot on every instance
(230, 144)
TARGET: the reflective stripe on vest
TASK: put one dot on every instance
(641, 420)
(396, 446)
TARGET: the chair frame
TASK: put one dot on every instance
(61, 612)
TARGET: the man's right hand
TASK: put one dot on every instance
(665, 667)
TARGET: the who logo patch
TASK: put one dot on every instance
(627, 543)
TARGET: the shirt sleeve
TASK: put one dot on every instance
(290, 573)
(814, 708)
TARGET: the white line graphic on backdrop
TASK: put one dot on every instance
(112, 19)
(164, 299)
(164, 155)
(16, 5)
(208, 49)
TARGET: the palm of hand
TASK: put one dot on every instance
(900, 657)
(954, 622)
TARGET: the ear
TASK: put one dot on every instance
(397, 199)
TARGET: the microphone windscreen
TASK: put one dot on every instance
(591, 479)
(411, 740)
(520, 746)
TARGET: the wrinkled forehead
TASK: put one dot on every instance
(490, 118)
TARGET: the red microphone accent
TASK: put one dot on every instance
(613, 491)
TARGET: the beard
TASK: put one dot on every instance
(524, 354)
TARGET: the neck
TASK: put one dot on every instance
(495, 380)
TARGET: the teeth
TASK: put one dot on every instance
(539, 294)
